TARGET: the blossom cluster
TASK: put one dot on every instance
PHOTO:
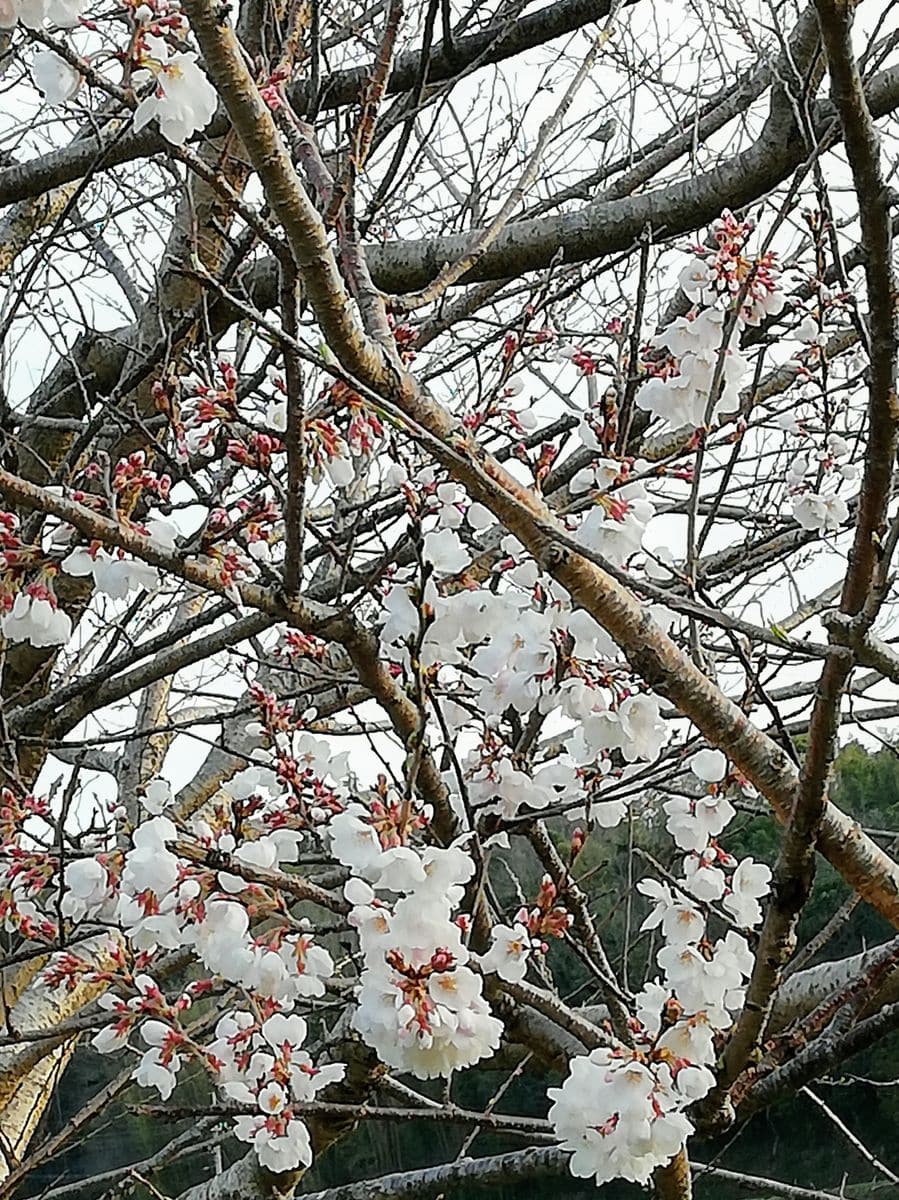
(420, 1006)
(151, 899)
(256, 1059)
(263, 1065)
(621, 1111)
(814, 478)
(695, 366)
(522, 646)
(212, 884)
(30, 573)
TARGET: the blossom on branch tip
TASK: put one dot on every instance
(35, 617)
(748, 884)
(509, 952)
(679, 918)
(620, 1118)
(183, 100)
(113, 574)
(824, 512)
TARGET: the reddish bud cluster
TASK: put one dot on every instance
(546, 918)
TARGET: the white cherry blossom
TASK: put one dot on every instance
(150, 866)
(420, 1006)
(825, 512)
(402, 616)
(280, 1144)
(748, 884)
(37, 619)
(113, 574)
(86, 889)
(183, 99)
(615, 530)
(443, 549)
(57, 79)
(679, 918)
(151, 1071)
(709, 766)
(509, 952)
(635, 728)
(702, 878)
(36, 13)
(692, 822)
(157, 796)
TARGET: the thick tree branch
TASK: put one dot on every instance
(496, 43)
(793, 871)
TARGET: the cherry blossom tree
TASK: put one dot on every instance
(439, 443)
